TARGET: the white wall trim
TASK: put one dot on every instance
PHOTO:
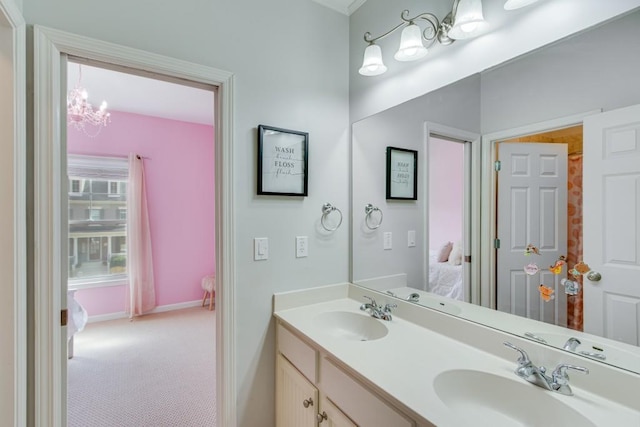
(488, 205)
(50, 46)
(12, 15)
(159, 309)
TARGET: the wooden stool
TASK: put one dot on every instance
(209, 288)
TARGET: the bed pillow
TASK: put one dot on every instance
(445, 250)
(455, 257)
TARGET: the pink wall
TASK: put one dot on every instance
(446, 176)
(180, 190)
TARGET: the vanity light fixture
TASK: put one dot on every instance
(517, 4)
(464, 21)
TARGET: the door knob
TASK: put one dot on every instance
(594, 276)
(307, 402)
(321, 417)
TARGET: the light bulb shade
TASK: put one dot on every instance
(468, 19)
(517, 4)
(372, 64)
(411, 47)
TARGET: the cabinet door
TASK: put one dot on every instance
(331, 416)
(296, 397)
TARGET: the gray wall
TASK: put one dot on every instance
(599, 68)
(456, 106)
(286, 76)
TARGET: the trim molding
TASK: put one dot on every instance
(50, 50)
(11, 13)
(489, 189)
(159, 309)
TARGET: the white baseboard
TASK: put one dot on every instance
(159, 309)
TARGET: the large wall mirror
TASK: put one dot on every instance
(540, 111)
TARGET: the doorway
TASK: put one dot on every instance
(539, 203)
(448, 212)
(50, 49)
(175, 141)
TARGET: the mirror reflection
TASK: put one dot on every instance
(528, 110)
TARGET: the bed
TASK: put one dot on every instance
(445, 279)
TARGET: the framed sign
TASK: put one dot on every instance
(402, 174)
(282, 161)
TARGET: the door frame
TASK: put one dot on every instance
(489, 229)
(50, 50)
(16, 278)
(472, 184)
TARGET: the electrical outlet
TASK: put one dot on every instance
(302, 246)
(260, 248)
(411, 238)
(388, 244)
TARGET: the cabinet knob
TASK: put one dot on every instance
(321, 417)
(307, 402)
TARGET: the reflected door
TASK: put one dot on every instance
(612, 224)
(532, 209)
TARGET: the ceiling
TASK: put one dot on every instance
(143, 95)
(346, 7)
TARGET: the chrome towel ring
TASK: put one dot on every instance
(368, 210)
(327, 208)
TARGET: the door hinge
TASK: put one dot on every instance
(497, 165)
(467, 258)
(64, 316)
(496, 243)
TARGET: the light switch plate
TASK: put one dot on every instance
(260, 248)
(411, 238)
(302, 246)
(388, 244)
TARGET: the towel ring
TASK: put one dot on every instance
(368, 210)
(327, 208)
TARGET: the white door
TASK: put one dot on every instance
(532, 209)
(612, 224)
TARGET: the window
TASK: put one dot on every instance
(97, 240)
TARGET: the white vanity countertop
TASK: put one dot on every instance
(405, 362)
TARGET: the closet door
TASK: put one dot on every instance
(532, 209)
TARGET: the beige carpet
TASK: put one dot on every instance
(158, 370)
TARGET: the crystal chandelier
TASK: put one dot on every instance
(81, 114)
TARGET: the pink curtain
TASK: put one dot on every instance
(574, 235)
(141, 296)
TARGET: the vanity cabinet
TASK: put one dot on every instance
(296, 398)
(313, 390)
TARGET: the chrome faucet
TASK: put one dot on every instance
(559, 379)
(571, 344)
(377, 311)
(412, 297)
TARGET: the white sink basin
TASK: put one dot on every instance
(351, 326)
(499, 401)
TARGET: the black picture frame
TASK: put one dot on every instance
(283, 161)
(402, 174)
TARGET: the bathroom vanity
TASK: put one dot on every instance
(337, 365)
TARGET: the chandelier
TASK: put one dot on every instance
(464, 21)
(80, 112)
